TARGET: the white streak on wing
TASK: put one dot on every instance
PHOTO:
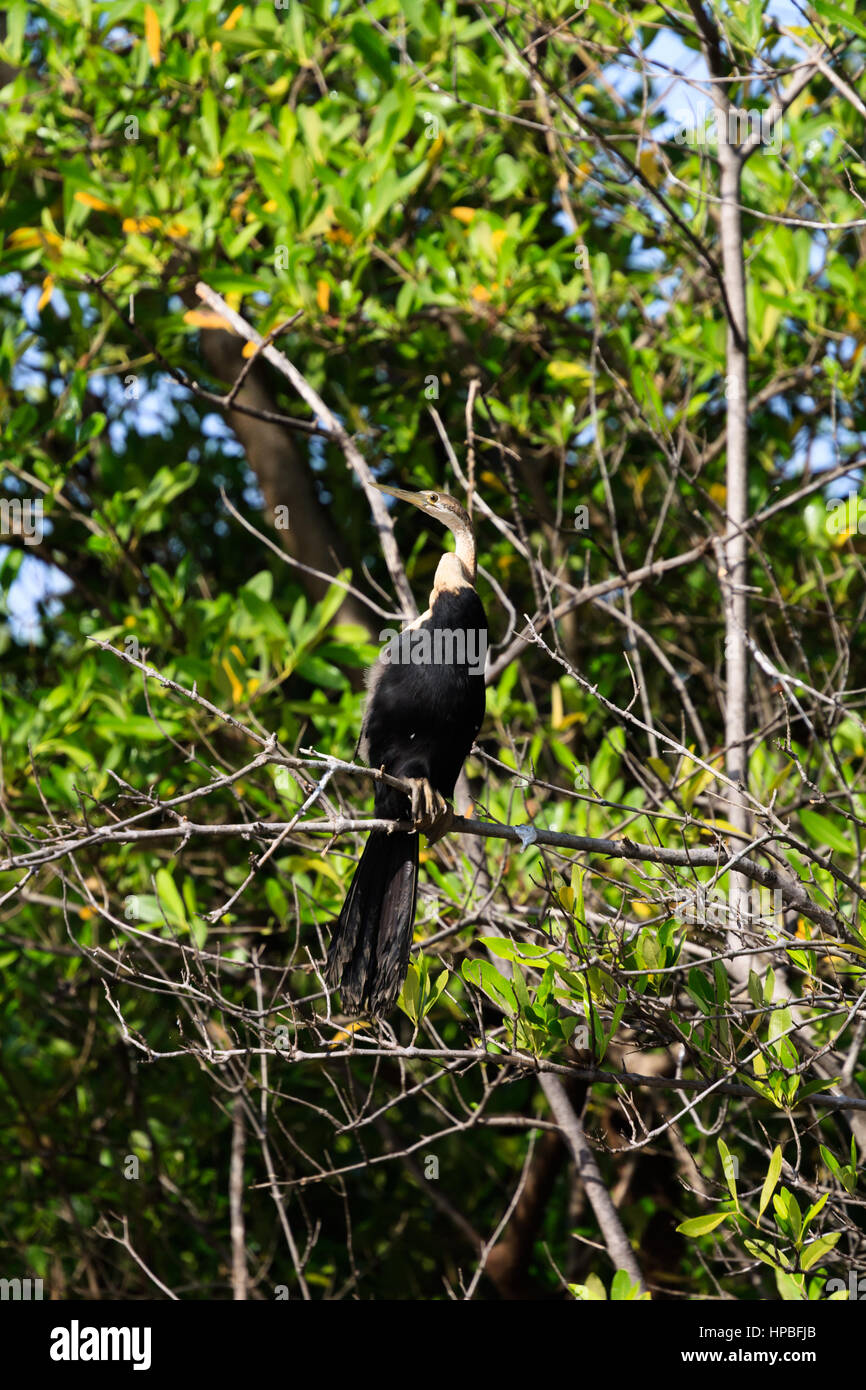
(416, 622)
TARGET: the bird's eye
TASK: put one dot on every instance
(433, 497)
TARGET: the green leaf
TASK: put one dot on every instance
(624, 1290)
(209, 124)
(135, 729)
(436, 989)
(837, 15)
(818, 1249)
(277, 900)
(788, 1213)
(780, 1023)
(729, 1169)
(790, 1286)
(702, 1225)
(16, 21)
(520, 991)
(170, 899)
(520, 950)
(487, 978)
(753, 22)
(410, 995)
(823, 832)
(771, 1179)
(372, 50)
(814, 1209)
(767, 1253)
(320, 673)
(593, 1291)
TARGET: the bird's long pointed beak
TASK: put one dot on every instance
(416, 498)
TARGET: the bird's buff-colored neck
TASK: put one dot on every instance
(456, 569)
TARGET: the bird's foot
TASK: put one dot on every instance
(430, 811)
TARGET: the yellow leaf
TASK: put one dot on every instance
(556, 709)
(640, 482)
(719, 493)
(151, 33)
(52, 243)
(140, 224)
(651, 166)
(237, 688)
(567, 371)
(45, 296)
(90, 202)
(497, 238)
(206, 318)
(278, 89)
(435, 149)
(323, 295)
(491, 480)
(724, 825)
(23, 238)
(238, 204)
(345, 1033)
(341, 235)
(234, 17)
(323, 867)
(465, 215)
(216, 47)
(661, 769)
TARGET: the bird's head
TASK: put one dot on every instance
(437, 504)
(458, 568)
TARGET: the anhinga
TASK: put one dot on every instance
(425, 707)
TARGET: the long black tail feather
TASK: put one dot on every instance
(369, 952)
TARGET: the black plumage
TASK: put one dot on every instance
(425, 708)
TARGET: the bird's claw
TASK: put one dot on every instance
(430, 811)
